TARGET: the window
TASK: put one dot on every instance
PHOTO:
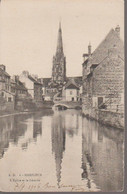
(72, 99)
(100, 101)
(9, 99)
(70, 92)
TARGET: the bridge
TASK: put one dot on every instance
(63, 105)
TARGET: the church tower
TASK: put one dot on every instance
(59, 61)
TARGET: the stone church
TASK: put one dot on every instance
(54, 85)
(59, 61)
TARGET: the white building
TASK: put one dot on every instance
(34, 86)
(71, 91)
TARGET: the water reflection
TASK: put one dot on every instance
(72, 122)
(63, 123)
(37, 126)
(102, 155)
(58, 141)
(11, 129)
(76, 150)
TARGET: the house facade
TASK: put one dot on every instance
(18, 88)
(103, 76)
(71, 91)
(7, 98)
(33, 86)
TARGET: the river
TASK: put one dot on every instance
(59, 151)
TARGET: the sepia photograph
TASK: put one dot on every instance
(62, 96)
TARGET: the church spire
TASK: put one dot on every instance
(59, 49)
(59, 61)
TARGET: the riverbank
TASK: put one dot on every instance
(105, 117)
(44, 106)
(7, 114)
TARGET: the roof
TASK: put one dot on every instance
(46, 81)
(7, 92)
(77, 79)
(108, 59)
(18, 85)
(71, 84)
(4, 72)
(101, 51)
(33, 80)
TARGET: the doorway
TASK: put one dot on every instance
(72, 99)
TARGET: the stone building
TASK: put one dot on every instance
(6, 96)
(22, 97)
(4, 78)
(59, 61)
(71, 91)
(33, 86)
(103, 76)
(18, 88)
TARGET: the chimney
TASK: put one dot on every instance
(89, 49)
(15, 78)
(40, 80)
(3, 67)
(117, 29)
(85, 56)
(26, 73)
(113, 52)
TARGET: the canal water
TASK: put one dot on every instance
(59, 151)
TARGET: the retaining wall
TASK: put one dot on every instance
(108, 118)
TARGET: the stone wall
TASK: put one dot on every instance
(108, 118)
(108, 77)
(7, 106)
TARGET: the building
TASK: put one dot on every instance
(71, 91)
(6, 96)
(103, 76)
(108, 82)
(33, 86)
(18, 88)
(52, 87)
(59, 62)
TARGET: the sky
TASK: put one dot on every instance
(29, 29)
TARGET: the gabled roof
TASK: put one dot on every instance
(18, 85)
(112, 39)
(71, 84)
(77, 79)
(102, 50)
(33, 80)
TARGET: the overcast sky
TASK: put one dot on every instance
(29, 28)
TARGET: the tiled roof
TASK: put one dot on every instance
(18, 85)
(112, 39)
(33, 80)
(71, 84)
(77, 79)
(102, 50)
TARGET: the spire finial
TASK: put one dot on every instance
(59, 41)
(60, 23)
(89, 48)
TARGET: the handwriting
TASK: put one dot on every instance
(40, 187)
